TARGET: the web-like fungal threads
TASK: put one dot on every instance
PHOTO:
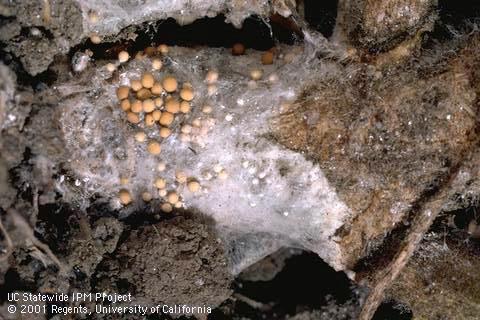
(261, 195)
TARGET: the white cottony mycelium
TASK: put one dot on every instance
(220, 160)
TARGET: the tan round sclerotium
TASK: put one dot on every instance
(207, 109)
(123, 56)
(149, 120)
(122, 92)
(95, 39)
(123, 181)
(148, 105)
(166, 207)
(197, 122)
(154, 147)
(184, 107)
(136, 106)
(150, 51)
(136, 85)
(223, 175)
(211, 89)
(158, 102)
(178, 205)
(147, 196)
(193, 186)
(187, 93)
(93, 17)
(211, 77)
(185, 137)
(161, 166)
(157, 89)
(166, 119)
(125, 197)
(162, 48)
(162, 192)
(110, 67)
(165, 132)
(148, 80)
(156, 115)
(172, 105)
(133, 118)
(140, 136)
(256, 74)
(139, 55)
(157, 64)
(170, 84)
(186, 128)
(144, 93)
(180, 176)
(160, 183)
(172, 197)
(125, 105)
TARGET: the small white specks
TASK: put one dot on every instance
(449, 116)
(240, 102)
(253, 204)
(285, 213)
(77, 182)
(255, 181)
(245, 164)
(409, 123)
(228, 117)
(252, 170)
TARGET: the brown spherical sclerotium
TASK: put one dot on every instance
(143, 94)
(133, 118)
(149, 120)
(172, 105)
(156, 115)
(150, 51)
(238, 49)
(148, 105)
(158, 102)
(267, 57)
(154, 147)
(136, 85)
(125, 197)
(166, 119)
(170, 84)
(122, 92)
(125, 105)
(165, 132)
(187, 93)
(148, 80)
(157, 89)
(185, 107)
(136, 106)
